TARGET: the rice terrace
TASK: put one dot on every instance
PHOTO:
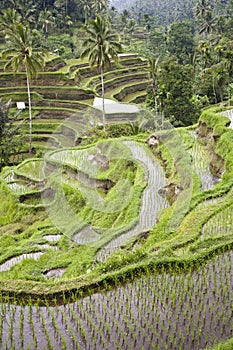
(116, 177)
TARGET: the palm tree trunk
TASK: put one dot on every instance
(214, 90)
(30, 113)
(103, 106)
(229, 91)
(162, 119)
(66, 6)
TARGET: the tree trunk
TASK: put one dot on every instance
(66, 5)
(30, 114)
(103, 107)
(214, 90)
(229, 92)
(162, 119)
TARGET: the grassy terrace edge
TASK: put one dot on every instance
(228, 345)
(88, 284)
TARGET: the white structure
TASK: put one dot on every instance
(20, 105)
(113, 107)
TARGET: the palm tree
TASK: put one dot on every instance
(27, 10)
(204, 13)
(99, 5)
(8, 19)
(45, 20)
(153, 72)
(131, 27)
(208, 24)
(87, 6)
(22, 52)
(124, 22)
(204, 51)
(100, 46)
(201, 7)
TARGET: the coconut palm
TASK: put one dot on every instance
(153, 71)
(201, 7)
(124, 22)
(23, 52)
(87, 6)
(8, 19)
(99, 5)
(45, 20)
(204, 13)
(27, 10)
(100, 46)
(208, 24)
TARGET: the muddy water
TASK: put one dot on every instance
(52, 238)
(160, 311)
(13, 261)
(17, 259)
(54, 273)
(46, 246)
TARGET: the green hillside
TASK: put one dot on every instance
(116, 175)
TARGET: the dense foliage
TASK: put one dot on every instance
(166, 11)
(11, 140)
(57, 12)
(194, 37)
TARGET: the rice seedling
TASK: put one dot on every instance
(13, 261)
(31, 169)
(219, 224)
(201, 162)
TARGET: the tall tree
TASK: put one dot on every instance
(99, 6)
(45, 20)
(124, 21)
(87, 7)
(131, 27)
(175, 87)
(157, 42)
(203, 55)
(153, 71)
(181, 41)
(27, 10)
(100, 46)
(204, 14)
(8, 19)
(208, 24)
(23, 52)
(201, 8)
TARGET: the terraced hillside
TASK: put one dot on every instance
(67, 90)
(110, 241)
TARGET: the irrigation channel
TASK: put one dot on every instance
(151, 203)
